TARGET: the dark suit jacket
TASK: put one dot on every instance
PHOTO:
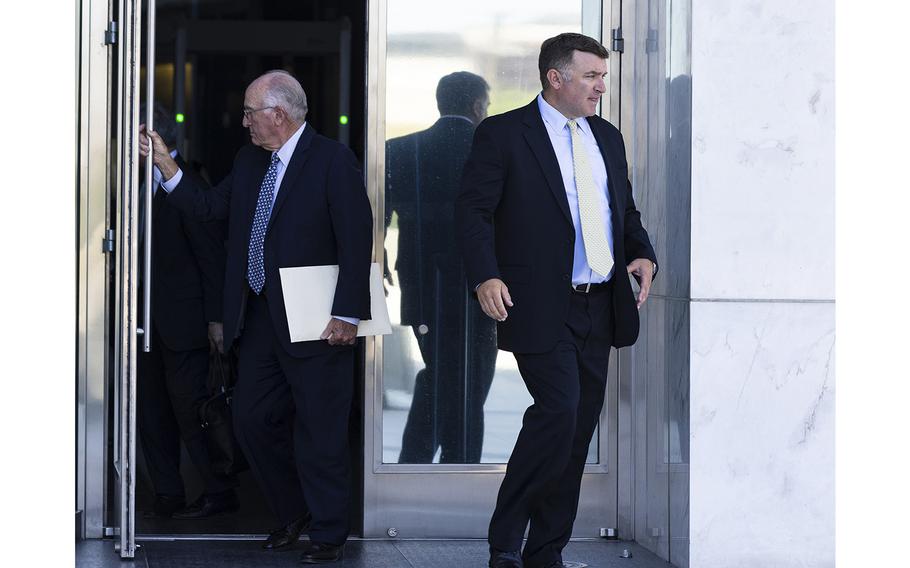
(187, 273)
(514, 223)
(423, 174)
(321, 216)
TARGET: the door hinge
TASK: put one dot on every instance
(651, 44)
(110, 34)
(107, 243)
(619, 43)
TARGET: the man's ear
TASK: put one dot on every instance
(554, 77)
(280, 116)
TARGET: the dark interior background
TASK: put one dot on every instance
(215, 95)
(214, 133)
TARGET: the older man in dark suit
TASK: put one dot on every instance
(293, 198)
(550, 234)
(457, 341)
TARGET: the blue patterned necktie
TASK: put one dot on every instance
(256, 266)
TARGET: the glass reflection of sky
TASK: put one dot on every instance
(498, 40)
(407, 16)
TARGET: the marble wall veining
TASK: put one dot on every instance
(762, 435)
(762, 328)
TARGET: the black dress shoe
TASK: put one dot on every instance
(505, 559)
(287, 536)
(166, 505)
(321, 553)
(210, 506)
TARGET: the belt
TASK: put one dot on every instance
(592, 288)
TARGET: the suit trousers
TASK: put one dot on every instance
(170, 388)
(447, 409)
(291, 420)
(543, 477)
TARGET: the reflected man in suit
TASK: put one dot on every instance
(457, 341)
(187, 278)
(550, 234)
(293, 198)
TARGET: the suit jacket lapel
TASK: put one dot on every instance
(539, 141)
(298, 158)
(612, 172)
(260, 167)
(257, 173)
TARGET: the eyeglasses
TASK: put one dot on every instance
(248, 111)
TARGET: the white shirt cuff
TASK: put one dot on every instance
(352, 321)
(171, 184)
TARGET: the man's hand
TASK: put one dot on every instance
(340, 332)
(643, 271)
(494, 297)
(216, 337)
(162, 156)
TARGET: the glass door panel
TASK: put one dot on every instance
(448, 397)
(445, 402)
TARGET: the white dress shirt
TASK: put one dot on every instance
(284, 158)
(561, 140)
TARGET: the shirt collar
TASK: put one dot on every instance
(462, 117)
(556, 120)
(287, 150)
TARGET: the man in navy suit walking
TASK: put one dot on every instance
(550, 234)
(293, 198)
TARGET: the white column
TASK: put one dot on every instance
(762, 313)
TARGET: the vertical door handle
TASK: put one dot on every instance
(149, 179)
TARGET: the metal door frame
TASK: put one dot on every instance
(401, 500)
(105, 171)
(92, 457)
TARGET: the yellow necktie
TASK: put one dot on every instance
(593, 228)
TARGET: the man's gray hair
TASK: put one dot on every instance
(284, 91)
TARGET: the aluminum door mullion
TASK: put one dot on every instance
(132, 18)
(146, 331)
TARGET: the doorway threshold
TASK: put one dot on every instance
(235, 551)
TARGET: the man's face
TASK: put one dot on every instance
(261, 121)
(581, 93)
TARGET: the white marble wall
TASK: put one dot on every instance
(762, 435)
(763, 149)
(762, 313)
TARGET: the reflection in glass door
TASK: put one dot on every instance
(445, 402)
